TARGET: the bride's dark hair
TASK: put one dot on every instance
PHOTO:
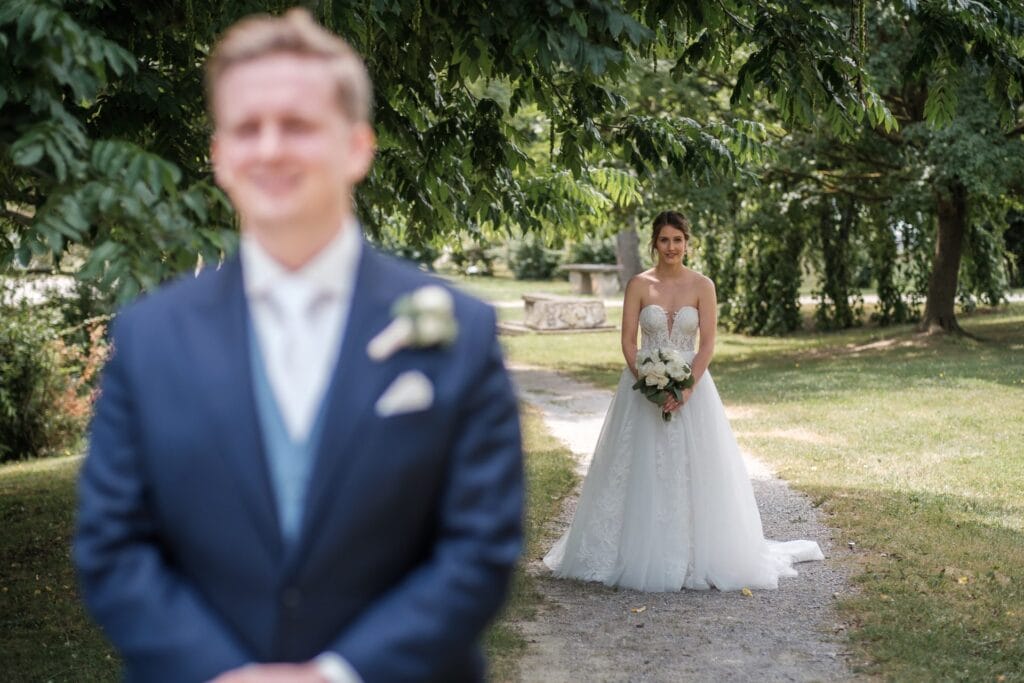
(670, 218)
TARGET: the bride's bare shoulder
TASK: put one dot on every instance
(638, 287)
(645, 278)
(699, 280)
(641, 282)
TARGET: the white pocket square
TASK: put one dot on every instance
(409, 392)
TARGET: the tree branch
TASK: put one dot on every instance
(830, 188)
(17, 217)
(1019, 130)
(735, 19)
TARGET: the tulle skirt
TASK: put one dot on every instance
(669, 505)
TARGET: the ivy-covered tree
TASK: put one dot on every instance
(942, 184)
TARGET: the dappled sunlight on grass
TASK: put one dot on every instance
(939, 581)
(912, 444)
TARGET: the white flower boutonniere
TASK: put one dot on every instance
(423, 319)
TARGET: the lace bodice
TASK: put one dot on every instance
(658, 330)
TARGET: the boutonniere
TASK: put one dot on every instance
(423, 319)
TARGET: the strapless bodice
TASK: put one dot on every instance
(661, 328)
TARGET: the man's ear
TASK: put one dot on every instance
(218, 172)
(362, 149)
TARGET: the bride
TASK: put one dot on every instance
(669, 505)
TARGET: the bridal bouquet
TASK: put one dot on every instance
(662, 373)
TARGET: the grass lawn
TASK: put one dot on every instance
(914, 447)
(550, 478)
(45, 635)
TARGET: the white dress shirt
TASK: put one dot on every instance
(299, 319)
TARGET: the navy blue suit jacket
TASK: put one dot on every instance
(412, 523)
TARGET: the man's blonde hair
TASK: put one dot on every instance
(297, 33)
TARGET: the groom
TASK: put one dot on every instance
(290, 477)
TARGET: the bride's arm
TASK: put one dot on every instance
(707, 306)
(631, 321)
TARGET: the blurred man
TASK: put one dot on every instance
(304, 465)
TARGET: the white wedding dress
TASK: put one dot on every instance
(669, 505)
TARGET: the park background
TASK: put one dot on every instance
(854, 172)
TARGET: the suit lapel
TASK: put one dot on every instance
(227, 372)
(355, 386)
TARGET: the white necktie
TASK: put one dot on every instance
(300, 379)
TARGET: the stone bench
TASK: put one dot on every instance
(554, 312)
(593, 278)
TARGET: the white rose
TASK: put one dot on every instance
(432, 299)
(658, 369)
(431, 329)
(674, 356)
(656, 379)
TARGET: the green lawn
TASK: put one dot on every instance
(914, 446)
(45, 635)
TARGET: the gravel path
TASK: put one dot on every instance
(588, 632)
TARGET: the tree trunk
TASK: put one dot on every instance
(939, 309)
(627, 254)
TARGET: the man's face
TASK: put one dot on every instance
(283, 149)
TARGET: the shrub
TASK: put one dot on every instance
(422, 255)
(46, 385)
(529, 259)
(592, 250)
(471, 258)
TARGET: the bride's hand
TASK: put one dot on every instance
(671, 404)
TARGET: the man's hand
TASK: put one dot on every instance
(273, 673)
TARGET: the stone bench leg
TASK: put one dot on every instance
(581, 282)
(606, 284)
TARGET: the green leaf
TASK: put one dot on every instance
(615, 23)
(41, 22)
(23, 253)
(60, 166)
(71, 211)
(579, 23)
(194, 201)
(136, 168)
(53, 239)
(107, 199)
(28, 155)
